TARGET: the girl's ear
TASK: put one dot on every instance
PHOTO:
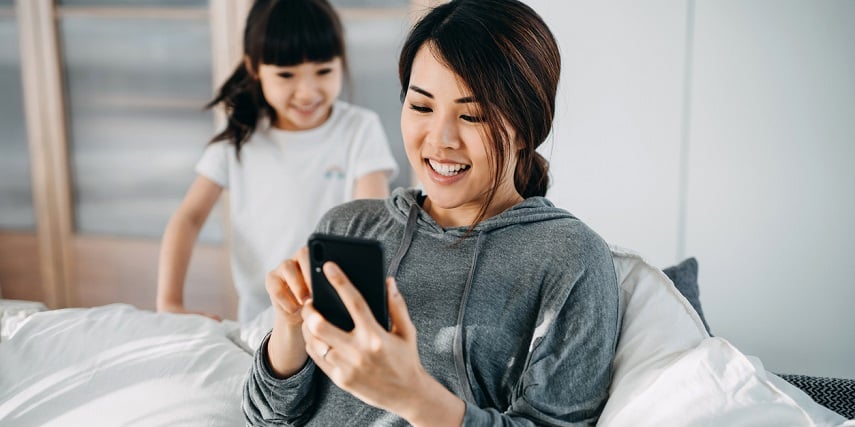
(247, 63)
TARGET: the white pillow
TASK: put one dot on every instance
(668, 371)
(714, 384)
(658, 325)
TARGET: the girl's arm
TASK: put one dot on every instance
(374, 185)
(178, 241)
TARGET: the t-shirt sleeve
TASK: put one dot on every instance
(372, 152)
(214, 163)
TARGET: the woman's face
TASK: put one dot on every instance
(447, 146)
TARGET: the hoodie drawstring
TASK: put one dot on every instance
(403, 248)
(406, 240)
(459, 361)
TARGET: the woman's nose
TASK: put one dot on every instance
(444, 133)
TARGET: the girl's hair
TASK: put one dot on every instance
(282, 33)
(508, 58)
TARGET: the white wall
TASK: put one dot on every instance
(725, 130)
(771, 185)
(615, 157)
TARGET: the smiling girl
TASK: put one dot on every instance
(504, 308)
(290, 151)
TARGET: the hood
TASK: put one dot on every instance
(533, 209)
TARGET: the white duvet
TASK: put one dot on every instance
(119, 366)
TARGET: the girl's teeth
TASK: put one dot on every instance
(446, 169)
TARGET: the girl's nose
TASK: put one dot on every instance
(306, 89)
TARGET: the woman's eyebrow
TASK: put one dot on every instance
(464, 100)
(417, 89)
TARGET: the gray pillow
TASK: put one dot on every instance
(685, 278)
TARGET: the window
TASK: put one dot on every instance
(16, 209)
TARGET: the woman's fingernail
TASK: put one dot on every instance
(330, 268)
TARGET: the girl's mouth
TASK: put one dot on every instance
(306, 109)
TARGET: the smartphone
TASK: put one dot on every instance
(362, 262)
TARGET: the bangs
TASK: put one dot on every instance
(297, 32)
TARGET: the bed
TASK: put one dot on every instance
(118, 365)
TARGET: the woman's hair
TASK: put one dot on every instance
(282, 33)
(508, 58)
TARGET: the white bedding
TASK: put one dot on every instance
(116, 365)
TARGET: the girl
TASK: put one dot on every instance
(290, 151)
(511, 313)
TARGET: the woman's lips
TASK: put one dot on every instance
(446, 172)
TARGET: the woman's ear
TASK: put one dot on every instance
(247, 63)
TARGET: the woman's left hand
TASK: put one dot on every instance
(381, 368)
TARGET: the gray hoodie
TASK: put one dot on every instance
(518, 318)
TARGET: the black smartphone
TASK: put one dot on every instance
(362, 262)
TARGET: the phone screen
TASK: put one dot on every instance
(362, 262)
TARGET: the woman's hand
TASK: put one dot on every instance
(379, 367)
(287, 286)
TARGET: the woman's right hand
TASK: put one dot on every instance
(288, 288)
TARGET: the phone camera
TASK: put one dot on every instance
(317, 251)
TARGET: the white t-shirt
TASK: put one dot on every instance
(282, 185)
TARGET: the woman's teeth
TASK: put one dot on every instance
(447, 169)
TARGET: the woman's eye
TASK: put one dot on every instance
(472, 119)
(419, 108)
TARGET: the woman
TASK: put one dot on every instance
(514, 301)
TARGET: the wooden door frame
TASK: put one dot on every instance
(44, 109)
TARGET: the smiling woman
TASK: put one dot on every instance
(446, 61)
(520, 324)
(449, 147)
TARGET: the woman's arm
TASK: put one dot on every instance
(280, 387)
(381, 368)
(178, 241)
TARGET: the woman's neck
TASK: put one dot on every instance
(465, 215)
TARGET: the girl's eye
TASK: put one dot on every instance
(420, 109)
(472, 119)
(286, 75)
(324, 71)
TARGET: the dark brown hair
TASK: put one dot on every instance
(283, 33)
(509, 60)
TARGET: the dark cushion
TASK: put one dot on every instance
(685, 278)
(837, 394)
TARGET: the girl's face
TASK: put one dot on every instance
(447, 145)
(302, 95)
